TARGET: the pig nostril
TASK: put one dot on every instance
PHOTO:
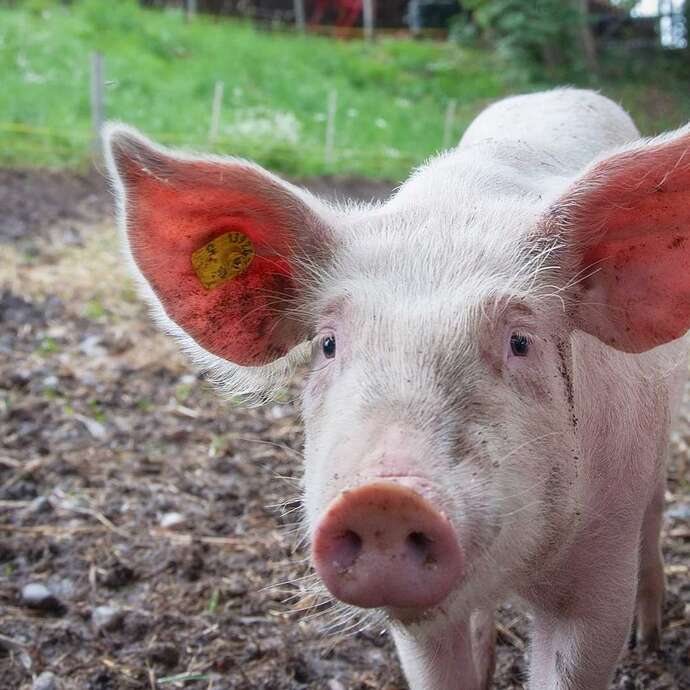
(420, 546)
(418, 541)
(347, 547)
(384, 545)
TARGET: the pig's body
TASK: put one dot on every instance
(496, 418)
(612, 464)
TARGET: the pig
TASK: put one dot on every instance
(495, 356)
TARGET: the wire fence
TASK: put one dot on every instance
(74, 141)
(79, 143)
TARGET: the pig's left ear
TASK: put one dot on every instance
(226, 248)
(626, 223)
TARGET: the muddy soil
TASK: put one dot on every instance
(161, 519)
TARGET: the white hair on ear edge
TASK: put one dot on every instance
(253, 385)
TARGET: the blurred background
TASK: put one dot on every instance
(320, 86)
(149, 531)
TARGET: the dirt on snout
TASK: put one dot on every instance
(147, 528)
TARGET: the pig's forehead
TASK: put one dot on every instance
(423, 277)
(422, 245)
(390, 300)
(425, 265)
(376, 308)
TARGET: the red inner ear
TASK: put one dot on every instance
(638, 317)
(174, 213)
(640, 267)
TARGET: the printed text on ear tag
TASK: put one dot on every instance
(223, 258)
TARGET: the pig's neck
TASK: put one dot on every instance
(488, 174)
(621, 446)
(619, 401)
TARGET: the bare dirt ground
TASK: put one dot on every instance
(146, 506)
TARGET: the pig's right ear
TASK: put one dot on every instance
(625, 226)
(225, 246)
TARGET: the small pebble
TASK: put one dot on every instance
(94, 427)
(20, 378)
(63, 588)
(173, 521)
(279, 411)
(46, 681)
(51, 382)
(680, 511)
(106, 618)
(37, 596)
(91, 346)
(626, 683)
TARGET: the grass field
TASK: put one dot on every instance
(161, 72)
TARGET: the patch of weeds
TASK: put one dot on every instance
(217, 446)
(182, 392)
(52, 393)
(97, 411)
(48, 346)
(95, 310)
(144, 404)
(213, 602)
(30, 257)
(129, 294)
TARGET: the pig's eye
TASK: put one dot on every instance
(328, 346)
(519, 345)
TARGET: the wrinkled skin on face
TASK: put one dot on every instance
(494, 368)
(435, 398)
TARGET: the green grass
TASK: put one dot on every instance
(161, 72)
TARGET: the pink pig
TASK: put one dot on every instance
(496, 358)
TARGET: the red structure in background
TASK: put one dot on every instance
(347, 12)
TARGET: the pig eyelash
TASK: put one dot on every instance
(519, 344)
(323, 347)
(328, 346)
(314, 370)
(321, 365)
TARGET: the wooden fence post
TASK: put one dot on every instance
(329, 151)
(300, 17)
(97, 100)
(368, 14)
(190, 9)
(215, 111)
(448, 123)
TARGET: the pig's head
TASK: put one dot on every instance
(441, 453)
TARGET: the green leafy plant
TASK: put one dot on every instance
(540, 36)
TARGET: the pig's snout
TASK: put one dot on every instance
(384, 545)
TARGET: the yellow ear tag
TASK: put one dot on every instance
(223, 258)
